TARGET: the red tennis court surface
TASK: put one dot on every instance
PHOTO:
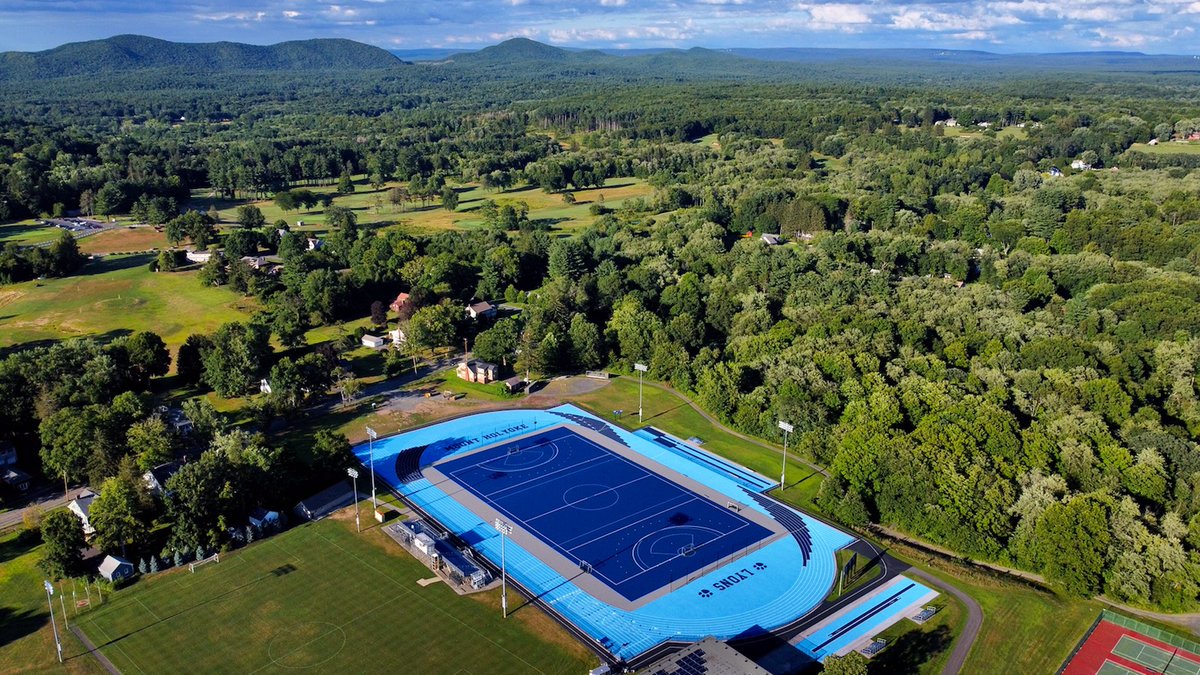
(1115, 650)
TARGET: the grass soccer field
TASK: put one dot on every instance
(322, 596)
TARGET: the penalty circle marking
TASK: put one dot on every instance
(686, 532)
(523, 459)
(296, 652)
(591, 497)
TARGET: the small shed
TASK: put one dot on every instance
(514, 384)
(398, 336)
(115, 569)
(156, 478)
(772, 239)
(325, 502)
(264, 386)
(262, 518)
(373, 341)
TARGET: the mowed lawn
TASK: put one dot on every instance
(668, 412)
(322, 596)
(1167, 148)
(432, 217)
(112, 297)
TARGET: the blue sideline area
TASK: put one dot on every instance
(868, 616)
(746, 477)
(635, 530)
(769, 587)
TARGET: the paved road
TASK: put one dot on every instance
(45, 499)
(970, 629)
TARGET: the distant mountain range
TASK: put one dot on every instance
(127, 53)
(133, 53)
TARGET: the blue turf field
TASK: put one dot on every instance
(636, 531)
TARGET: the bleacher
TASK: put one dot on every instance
(747, 479)
(925, 615)
(408, 463)
(874, 648)
(790, 520)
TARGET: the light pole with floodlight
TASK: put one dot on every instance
(640, 368)
(353, 473)
(787, 429)
(505, 530)
(371, 449)
(57, 642)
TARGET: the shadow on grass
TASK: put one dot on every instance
(16, 547)
(17, 623)
(103, 338)
(114, 263)
(665, 412)
(911, 650)
(815, 474)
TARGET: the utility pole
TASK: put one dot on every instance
(640, 368)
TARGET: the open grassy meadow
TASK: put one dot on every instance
(322, 596)
(113, 297)
(1167, 148)
(671, 414)
(27, 233)
(372, 208)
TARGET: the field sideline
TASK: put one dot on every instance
(321, 595)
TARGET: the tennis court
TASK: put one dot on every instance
(631, 528)
(1111, 668)
(1154, 658)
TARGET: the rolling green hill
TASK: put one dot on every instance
(128, 53)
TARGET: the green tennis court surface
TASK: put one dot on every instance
(1110, 668)
(1154, 658)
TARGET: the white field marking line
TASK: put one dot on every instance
(633, 550)
(119, 647)
(569, 467)
(612, 532)
(676, 556)
(607, 488)
(428, 603)
(338, 627)
(156, 617)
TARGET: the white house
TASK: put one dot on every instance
(262, 518)
(315, 244)
(485, 310)
(772, 239)
(951, 122)
(398, 336)
(81, 507)
(255, 261)
(1153, 141)
(198, 256)
(1080, 165)
(264, 386)
(373, 341)
(156, 478)
(984, 125)
(115, 569)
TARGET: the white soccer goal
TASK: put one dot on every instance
(216, 557)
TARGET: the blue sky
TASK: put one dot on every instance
(1159, 26)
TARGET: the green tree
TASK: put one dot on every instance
(250, 217)
(586, 345)
(189, 363)
(151, 441)
(117, 518)
(434, 326)
(449, 198)
(63, 544)
(1073, 540)
(852, 663)
(68, 437)
(331, 452)
(148, 356)
(345, 184)
(237, 358)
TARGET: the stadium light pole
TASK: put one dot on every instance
(505, 531)
(787, 429)
(49, 594)
(640, 368)
(354, 476)
(371, 449)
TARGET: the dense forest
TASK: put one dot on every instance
(986, 347)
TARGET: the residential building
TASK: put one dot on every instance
(481, 310)
(477, 371)
(81, 506)
(116, 569)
